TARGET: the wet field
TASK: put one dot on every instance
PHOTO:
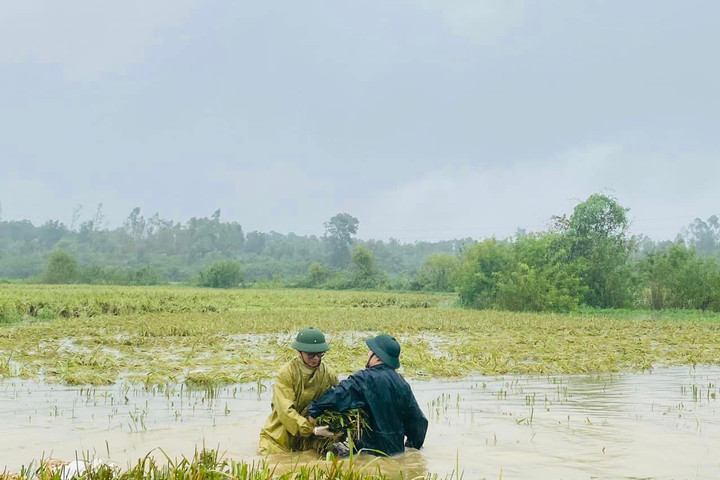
(659, 424)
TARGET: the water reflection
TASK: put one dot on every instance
(411, 464)
(663, 424)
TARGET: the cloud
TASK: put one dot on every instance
(280, 196)
(85, 38)
(497, 200)
(483, 22)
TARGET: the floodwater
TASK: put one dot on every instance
(661, 424)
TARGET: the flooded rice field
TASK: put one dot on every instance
(661, 424)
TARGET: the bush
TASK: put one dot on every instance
(62, 267)
(476, 281)
(528, 289)
(438, 273)
(98, 275)
(9, 315)
(317, 274)
(222, 274)
(677, 278)
(364, 273)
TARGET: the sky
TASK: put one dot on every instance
(426, 120)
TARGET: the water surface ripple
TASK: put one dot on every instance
(661, 424)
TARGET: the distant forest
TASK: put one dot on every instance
(148, 250)
(586, 259)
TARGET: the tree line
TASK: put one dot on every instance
(152, 250)
(585, 259)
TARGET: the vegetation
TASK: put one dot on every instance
(338, 232)
(222, 274)
(586, 260)
(153, 250)
(351, 424)
(62, 268)
(207, 465)
(100, 335)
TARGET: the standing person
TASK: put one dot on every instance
(394, 417)
(299, 382)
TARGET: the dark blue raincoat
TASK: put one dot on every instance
(394, 417)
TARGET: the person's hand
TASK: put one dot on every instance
(311, 420)
(341, 449)
(323, 431)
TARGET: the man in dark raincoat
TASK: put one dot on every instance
(394, 417)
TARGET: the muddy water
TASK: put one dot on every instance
(663, 424)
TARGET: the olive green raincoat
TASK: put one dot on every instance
(296, 385)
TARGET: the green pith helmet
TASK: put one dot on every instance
(386, 348)
(310, 340)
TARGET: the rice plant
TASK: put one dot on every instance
(350, 425)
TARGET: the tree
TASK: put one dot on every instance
(317, 274)
(99, 217)
(705, 236)
(438, 272)
(678, 278)
(255, 242)
(338, 235)
(222, 274)
(596, 240)
(540, 278)
(50, 233)
(135, 224)
(364, 272)
(77, 211)
(62, 267)
(479, 264)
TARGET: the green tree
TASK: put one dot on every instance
(135, 225)
(438, 272)
(705, 236)
(479, 265)
(255, 242)
(50, 233)
(339, 231)
(364, 273)
(317, 274)
(678, 278)
(540, 279)
(596, 240)
(62, 267)
(222, 274)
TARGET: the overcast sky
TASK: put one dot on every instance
(425, 119)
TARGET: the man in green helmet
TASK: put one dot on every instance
(299, 382)
(394, 418)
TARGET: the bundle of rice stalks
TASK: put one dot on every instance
(347, 425)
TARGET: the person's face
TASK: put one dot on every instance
(312, 359)
(372, 359)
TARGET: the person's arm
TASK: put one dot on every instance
(333, 377)
(345, 396)
(284, 401)
(415, 424)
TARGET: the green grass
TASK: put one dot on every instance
(209, 465)
(206, 338)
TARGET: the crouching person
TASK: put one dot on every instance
(394, 417)
(299, 382)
